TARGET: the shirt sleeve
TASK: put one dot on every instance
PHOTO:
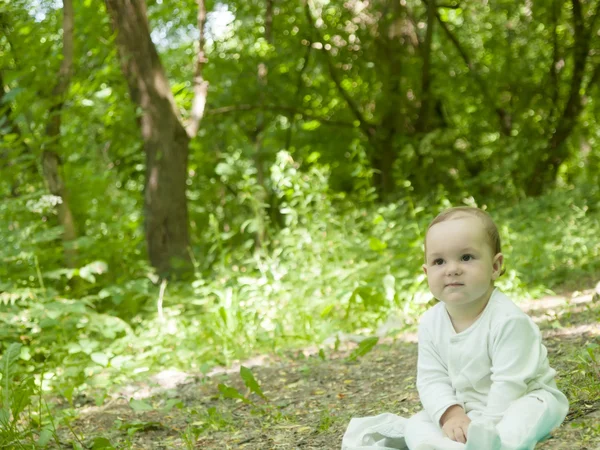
(516, 352)
(433, 381)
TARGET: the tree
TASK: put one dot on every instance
(51, 141)
(50, 156)
(165, 136)
(547, 163)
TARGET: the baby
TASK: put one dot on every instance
(483, 375)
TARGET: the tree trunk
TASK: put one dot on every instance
(165, 139)
(422, 124)
(50, 158)
(200, 84)
(50, 167)
(382, 161)
(261, 123)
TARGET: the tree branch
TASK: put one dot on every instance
(368, 128)
(503, 116)
(594, 79)
(13, 127)
(262, 74)
(547, 163)
(278, 108)
(305, 61)
(4, 26)
(65, 72)
(200, 84)
(595, 16)
(554, 74)
(573, 107)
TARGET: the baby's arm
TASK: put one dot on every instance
(516, 354)
(433, 382)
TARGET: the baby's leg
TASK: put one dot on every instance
(482, 435)
(422, 434)
(530, 419)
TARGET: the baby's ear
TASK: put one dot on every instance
(497, 265)
(424, 266)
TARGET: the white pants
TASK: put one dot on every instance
(527, 421)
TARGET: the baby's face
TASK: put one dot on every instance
(460, 263)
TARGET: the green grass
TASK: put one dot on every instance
(335, 268)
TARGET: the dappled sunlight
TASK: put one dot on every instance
(589, 330)
(559, 312)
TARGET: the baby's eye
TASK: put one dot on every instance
(438, 261)
(467, 257)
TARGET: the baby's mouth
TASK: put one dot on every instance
(454, 284)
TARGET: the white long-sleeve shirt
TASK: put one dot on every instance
(484, 368)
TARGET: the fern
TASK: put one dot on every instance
(8, 364)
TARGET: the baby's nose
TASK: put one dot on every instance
(453, 268)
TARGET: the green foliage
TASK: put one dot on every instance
(364, 347)
(22, 422)
(251, 382)
(590, 359)
(8, 363)
(232, 393)
(101, 443)
(140, 405)
(134, 426)
(552, 238)
(334, 267)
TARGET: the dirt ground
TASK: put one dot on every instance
(310, 397)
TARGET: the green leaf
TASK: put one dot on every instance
(11, 95)
(322, 354)
(172, 403)
(311, 125)
(590, 350)
(140, 405)
(376, 244)
(44, 438)
(229, 392)
(135, 426)
(327, 310)
(100, 358)
(364, 347)
(21, 397)
(101, 443)
(223, 314)
(8, 362)
(4, 417)
(86, 274)
(251, 382)
(10, 137)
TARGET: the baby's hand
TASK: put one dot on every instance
(456, 424)
(456, 428)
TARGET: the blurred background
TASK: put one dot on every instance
(185, 184)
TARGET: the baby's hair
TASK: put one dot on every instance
(486, 219)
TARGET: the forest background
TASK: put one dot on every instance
(186, 184)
